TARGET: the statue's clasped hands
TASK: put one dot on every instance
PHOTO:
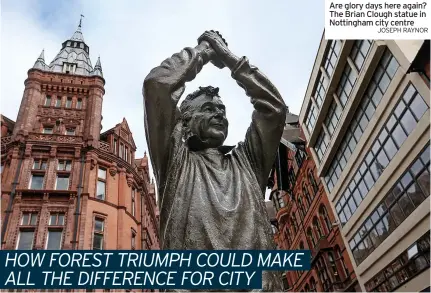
(213, 47)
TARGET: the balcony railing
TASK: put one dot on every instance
(104, 146)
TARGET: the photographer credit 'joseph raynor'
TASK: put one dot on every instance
(211, 196)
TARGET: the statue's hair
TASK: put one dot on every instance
(186, 104)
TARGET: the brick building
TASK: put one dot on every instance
(66, 185)
(304, 219)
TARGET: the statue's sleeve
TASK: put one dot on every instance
(162, 90)
(268, 118)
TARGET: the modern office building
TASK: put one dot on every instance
(64, 184)
(304, 219)
(366, 120)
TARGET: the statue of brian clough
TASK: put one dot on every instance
(211, 196)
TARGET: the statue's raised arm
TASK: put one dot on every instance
(264, 134)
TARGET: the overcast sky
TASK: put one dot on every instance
(280, 37)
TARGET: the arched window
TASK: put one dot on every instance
(288, 238)
(306, 193)
(323, 274)
(307, 288)
(301, 245)
(293, 225)
(313, 285)
(324, 215)
(339, 257)
(312, 181)
(310, 237)
(333, 266)
(316, 225)
(301, 207)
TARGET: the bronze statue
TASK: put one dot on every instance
(211, 196)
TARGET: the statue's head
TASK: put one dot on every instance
(204, 119)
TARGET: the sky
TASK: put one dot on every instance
(131, 37)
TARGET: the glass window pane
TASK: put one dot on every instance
(43, 167)
(25, 240)
(54, 240)
(101, 173)
(409, 93)
(390, 148)
(416, 195)
(97, 241)
(37, 182)
(33, 219)
(98, 225)
(53, 219)
(406, 204)
(417, 167)
(424, 182)
(399, 135)
(384, 82)
(25, 218)
(408, 121)
(406, 180)
(369, 180)
(100, 190)
(382, 159)
(425, 156)
(392, 68)
(418, 106)
(60, 219)
(62, 183)
(399, 109)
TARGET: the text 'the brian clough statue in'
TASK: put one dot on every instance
(211, 196)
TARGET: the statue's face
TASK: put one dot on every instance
(208, 120)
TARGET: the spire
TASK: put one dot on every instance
(77, 36)
(40, 62)
(98, 68)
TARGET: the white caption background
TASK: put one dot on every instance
(377, 19)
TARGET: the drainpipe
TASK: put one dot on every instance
(12, 193)
(78, 202)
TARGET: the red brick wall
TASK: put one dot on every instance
(287, 238)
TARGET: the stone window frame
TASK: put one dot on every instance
(104, 180)
(311, 117)
(358, 52)
(79, 101)
(399, 268)
(347, 80)
(321, 89)
(47, 97)
(322, 144)
(58, 98)
(378, 157)
(69, 101)
(333, 49)
(64, 171)
(369, 102)
(27, 227)
(383, 213)
(56, 228)
(104, 219)
(41, 171)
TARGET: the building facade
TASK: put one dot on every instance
(366, 120)
(304, 219)
(64, 184)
